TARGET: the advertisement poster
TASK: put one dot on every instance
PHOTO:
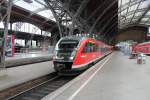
(10, 46)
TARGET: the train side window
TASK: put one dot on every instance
(146, 48)
(89, 47)
(102, 49)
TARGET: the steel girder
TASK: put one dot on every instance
(100, 16)
(60, 14)
(135, 11)
(144, 13)
(134, 20)
(125, 6)
(75, 13)
(66, 19)
(78, 12)
(108, 22)
(3, 14)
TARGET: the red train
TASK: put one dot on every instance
(142, 47)
(74, 54)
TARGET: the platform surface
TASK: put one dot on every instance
(27, 58)
(28, 55)
(119, 78)
(18, 75)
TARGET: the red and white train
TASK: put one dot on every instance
(74, 54)
(141, 47)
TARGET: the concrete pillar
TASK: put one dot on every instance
(41, 32)
(36, 43)
(26, 41)
(11, 26)
(31, 43)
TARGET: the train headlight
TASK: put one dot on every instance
(73, 55)
(71, 58)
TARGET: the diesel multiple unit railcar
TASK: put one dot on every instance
(74, 54)
(141, 47)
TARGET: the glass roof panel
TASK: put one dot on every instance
(130, 16)
(119, 3)
(125, 1)
(144, 19)
(1, 25)
(124, 12)
(48, 14)
(36, 6)
(138, 14)
(144, 4)
(134, 7)
(41, 2)
(148, 13)
(134, 19)
(29, 6)
(134, 11)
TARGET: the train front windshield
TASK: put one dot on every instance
(67, 48)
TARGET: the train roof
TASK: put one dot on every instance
(144, 43)
(79, 38)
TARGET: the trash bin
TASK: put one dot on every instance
(139, 59)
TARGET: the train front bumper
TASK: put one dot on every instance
(67, 68)
(60, 65)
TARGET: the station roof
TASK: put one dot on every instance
(101, 15)
(22, 15)
(105, 16)
(97, 13)
(133, 13)
(33, 13)
(36, 7)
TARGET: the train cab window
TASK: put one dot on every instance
(68, 45)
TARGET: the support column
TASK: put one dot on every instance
(11, 26)
(36, 43)
(31, 44)
(3, 70)
(26, 41)
(41, 32)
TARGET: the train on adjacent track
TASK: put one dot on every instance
(74, 54)
(141, 47)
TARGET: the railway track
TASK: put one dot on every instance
(38, 88)
(43, 89)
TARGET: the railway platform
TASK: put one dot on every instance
(27, 58)
(114, 78)
(24, 73)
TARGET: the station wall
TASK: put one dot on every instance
(138, 34)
